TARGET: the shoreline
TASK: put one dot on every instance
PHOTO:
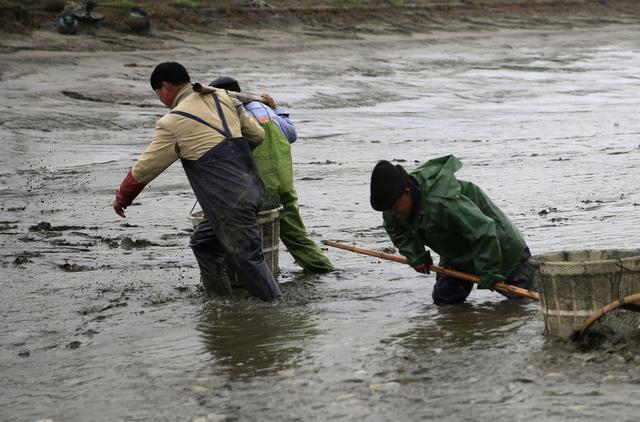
(31, 28)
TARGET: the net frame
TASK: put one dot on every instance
(623, 313)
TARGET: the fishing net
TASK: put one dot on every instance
(575, 284)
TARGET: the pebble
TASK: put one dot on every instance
(554, 375)
(619, 359)
(287, 373)
(199, 389)
(345, 397)
(385, 386)
(126, 244)
(615, 379)
(211, 417)
(74, 344)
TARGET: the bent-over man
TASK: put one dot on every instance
(456, 219)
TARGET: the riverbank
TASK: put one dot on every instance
(25, 21)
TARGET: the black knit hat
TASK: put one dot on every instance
(387, 184)
(226, 82)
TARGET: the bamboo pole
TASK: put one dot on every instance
(503, 287)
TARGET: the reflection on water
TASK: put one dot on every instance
(248, 338)
(466, 324)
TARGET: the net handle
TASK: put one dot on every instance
(606, 308)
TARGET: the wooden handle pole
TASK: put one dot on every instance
(245, 97)
(503, 287)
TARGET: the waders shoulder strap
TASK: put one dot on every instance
(221, 115)
(198, 119)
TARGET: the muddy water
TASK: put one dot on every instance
(103, 318)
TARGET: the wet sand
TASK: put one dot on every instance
(104, 318)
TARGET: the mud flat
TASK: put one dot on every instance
(103, 318)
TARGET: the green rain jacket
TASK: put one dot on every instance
(457, 221)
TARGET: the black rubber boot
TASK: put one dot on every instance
(216, 286)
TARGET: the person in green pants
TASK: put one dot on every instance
(273, 158)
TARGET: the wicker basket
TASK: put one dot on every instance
(574, 284)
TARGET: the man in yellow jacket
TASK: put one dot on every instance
(209, 134)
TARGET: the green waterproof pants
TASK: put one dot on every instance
(273, 158)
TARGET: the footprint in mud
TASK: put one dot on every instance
(74, 268)
(127, 243)
(169, 236)
(111, 243)
(327, 162)
(90, 333)
(8, 225)
(62, 242)
(137, 65)
(101, 308)
(25, 257)
(77, 96)
(547, 211)
(15, 209)
(618, 152)
(74, 345)
(49, 212)
(44, 227)
(159, 300)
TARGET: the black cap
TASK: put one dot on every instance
(225, 82)
(387, 184)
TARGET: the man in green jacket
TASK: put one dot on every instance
(273, 159)
(455, 218)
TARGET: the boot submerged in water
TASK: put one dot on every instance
(216, 286)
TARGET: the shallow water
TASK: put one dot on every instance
(544, 120)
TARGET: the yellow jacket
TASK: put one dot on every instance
(180, 137)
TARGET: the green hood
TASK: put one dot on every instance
(436, 177)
